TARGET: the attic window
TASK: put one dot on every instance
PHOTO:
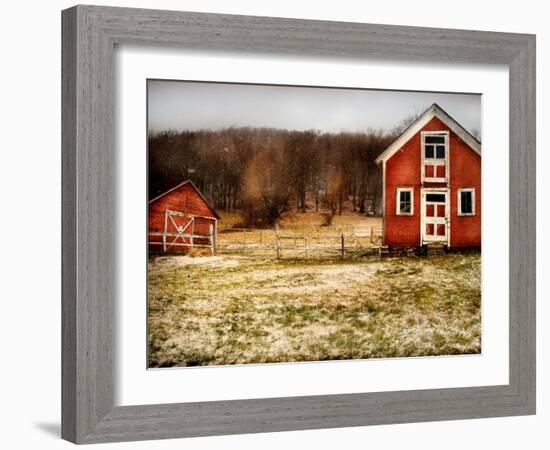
(434, 147)
(435, 156)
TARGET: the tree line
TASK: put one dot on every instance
(265, 172)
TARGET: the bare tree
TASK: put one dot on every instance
(265, 191)
(408, 120)
(264, 172)
(333, 194)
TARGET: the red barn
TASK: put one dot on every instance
(181, 219)
(432, 184)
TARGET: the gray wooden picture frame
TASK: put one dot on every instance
(89, 36)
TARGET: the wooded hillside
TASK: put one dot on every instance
(264, 172)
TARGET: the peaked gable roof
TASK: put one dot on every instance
(196, 190)
(433, 111)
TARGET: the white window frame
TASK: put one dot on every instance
(459, 200)
(434, 161)
(398, 202)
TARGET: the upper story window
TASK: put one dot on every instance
(435, 156)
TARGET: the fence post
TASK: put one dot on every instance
(306, 247)
(278, 241)
(215, 237)
(244, 240)
(212, 239)
(164, 232)
(342, 238)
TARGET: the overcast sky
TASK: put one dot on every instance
(183, 105)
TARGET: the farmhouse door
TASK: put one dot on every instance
(435, 216)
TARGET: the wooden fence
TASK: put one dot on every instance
(299, 243)
(178, 241)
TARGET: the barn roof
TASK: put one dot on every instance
(433, 111)
(194, 187)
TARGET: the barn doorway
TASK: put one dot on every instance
(179, 230)
(435, 216)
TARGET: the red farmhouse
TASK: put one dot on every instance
(180, 219)
(432, 184)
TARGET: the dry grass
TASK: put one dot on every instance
(238, 310)
(346, 220)
(229, 219)
(291, 220)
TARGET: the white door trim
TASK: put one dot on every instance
(447, 238)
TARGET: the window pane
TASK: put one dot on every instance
(405, 202)
(466, 206)
(440, 152)
(434, 139)
(439, 198)
(429, 151)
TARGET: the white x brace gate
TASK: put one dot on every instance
(179, 231)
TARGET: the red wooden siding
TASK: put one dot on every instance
(465, 173)
(185, 199)
(402, 170)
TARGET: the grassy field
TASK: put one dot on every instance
(238, 309)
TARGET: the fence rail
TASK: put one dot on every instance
(178, 240)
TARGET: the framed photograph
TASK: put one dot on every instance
(262, 228)
(268, 222)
